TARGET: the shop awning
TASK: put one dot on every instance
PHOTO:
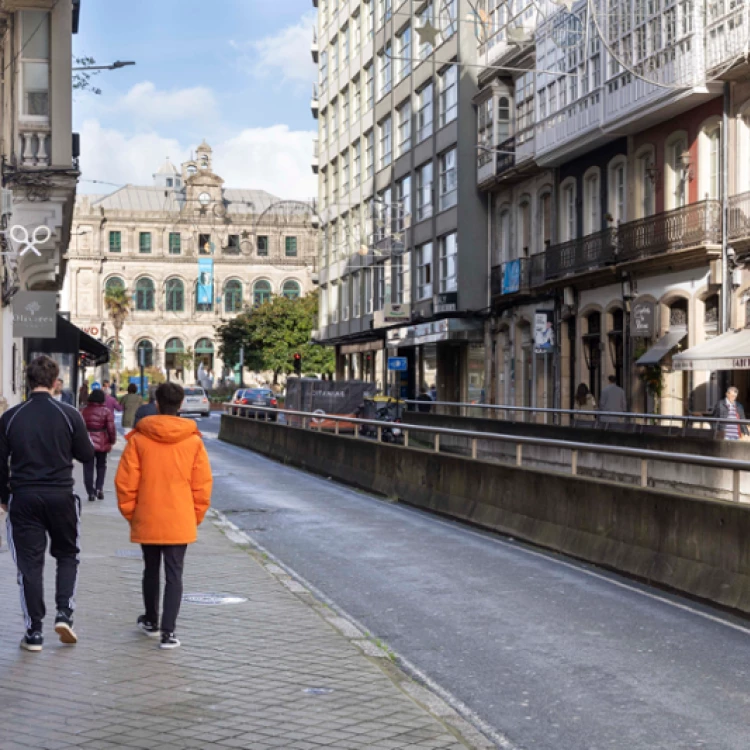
(661, 348)
(730, 351)
(71, 340)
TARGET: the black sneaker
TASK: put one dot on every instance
(32, 641)
(92, 498)
(147, 627)
(169, 641)
(64, 628)
(100, 495)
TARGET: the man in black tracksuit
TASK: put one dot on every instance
(40, 438)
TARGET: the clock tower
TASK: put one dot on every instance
(203, 188)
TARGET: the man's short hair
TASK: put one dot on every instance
(612, 379)
(732, 389)
(132, 388)
(42, 372)
(169, 397)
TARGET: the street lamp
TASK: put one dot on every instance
(114, 66)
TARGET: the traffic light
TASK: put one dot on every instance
(298, 364)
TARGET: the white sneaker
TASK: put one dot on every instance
(169, 641)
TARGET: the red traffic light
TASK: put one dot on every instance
(298, 356)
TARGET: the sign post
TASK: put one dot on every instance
(396, 365)
(142, 363)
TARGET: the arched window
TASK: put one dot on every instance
(144, 295)
(713, 164)
(233, 296)
(291, 290)
(504, 236)
(568, 211)
(111, 345)
(711, 316)
(677, 188)
(646, 177)
(592, 351)
(204, 354)
(115, 282)
(172, 352)
(524, 227)
(145, 353)
(202, 306)
(261, 293)
(503, 119)
(617, 191)
(592, 200)
(175, 294)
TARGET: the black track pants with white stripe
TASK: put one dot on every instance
(32, 517)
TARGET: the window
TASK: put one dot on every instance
(448, 264)
(145, 353)
(204, 244)
(290, 247)
(403, 113)
(323, 71)
(172, 354)
(334, 120)
(261, 293)
(345, 287)
(592, 200)
(334, 181)
(115, 242)
(424, 271)
(386, 71)
(369, 152)
(504, 238)
(545, 218)
(334, 55)
(291, 290)
(368, 291)
(448, 79)
(386, 141)
(524, 222)
(503, 119)
(345, 108)
(403, 53)
(424, 191)
(35, 52)
(356, 100)
(385, 10)
(426, 16)
(424, 115)
(344, 173)
(144, 295)
(448, 180)
(114, 283)
(175, 246)
(204, 354)
(568, 212)
(233, 296)
(263, 246)
(485, 112)
(357, 23)
(175, 295)
(645, 185)
(448, 10)
(400, 278)
(525, 108)
(369, 88)
(356, 295)
(381, 286)
(369, 20)
(677, 177)
(144, 242)
(233, 245)
(403, 193)
(357, 163)
(617, 192)
(345, 43)
(714, 164)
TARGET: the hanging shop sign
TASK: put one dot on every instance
(35, 315)
(643, 318)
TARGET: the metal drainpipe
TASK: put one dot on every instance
(726, 275)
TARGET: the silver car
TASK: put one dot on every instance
(196, 402)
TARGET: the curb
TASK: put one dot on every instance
(455, 716)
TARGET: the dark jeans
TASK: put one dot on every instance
(100, 461)
(31, 518)
(174, 559)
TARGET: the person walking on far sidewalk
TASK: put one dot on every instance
(130, 402)
(164, 490)
(147, 410)
(101, 426)
(40, 438)
(730, 408)
(612, 400)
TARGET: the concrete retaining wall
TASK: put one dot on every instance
(696, 546)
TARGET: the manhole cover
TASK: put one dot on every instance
(213, 599)
(317, 691)
(134, 553)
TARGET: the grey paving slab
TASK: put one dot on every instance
(239, 679)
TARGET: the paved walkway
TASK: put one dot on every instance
(271, 671)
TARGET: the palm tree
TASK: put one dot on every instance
(117, 302)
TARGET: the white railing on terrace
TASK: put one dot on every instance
(727, 32)
(575, 120)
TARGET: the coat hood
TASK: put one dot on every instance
(165, 429)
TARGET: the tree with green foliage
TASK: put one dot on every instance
(271, 335)
(117, 303)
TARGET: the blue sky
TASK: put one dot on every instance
(236, 72)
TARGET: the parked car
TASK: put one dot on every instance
(258, 397)
(196, 402)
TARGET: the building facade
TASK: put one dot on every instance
(615, 165)
(403, 264)
(39, 165)
(192, 254)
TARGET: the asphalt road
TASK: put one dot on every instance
(552, 654)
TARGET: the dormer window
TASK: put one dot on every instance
(170, 182)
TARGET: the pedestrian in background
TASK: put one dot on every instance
(730, 408)
(83, 395)
(584, 401)
(425, 400)
(101, 428)
(130, 403)
(40, 438)
(109, 400)
(60, 394)
(147, 410)
(164, 490)
(612, 400)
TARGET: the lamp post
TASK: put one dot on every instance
(114, 66)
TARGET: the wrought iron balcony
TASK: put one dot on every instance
(510, 278)
(689, 227)
(580, 255)
(739, 218)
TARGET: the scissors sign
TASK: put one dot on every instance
(20, 235)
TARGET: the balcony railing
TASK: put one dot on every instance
(511, 277)
(583, 254)
(739, 217)
(691, 226)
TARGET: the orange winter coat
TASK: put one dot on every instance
(164, 481)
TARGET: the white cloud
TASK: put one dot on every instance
(286, 53)
(275, 159)
(150, 106)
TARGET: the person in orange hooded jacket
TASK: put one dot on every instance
(164, 490)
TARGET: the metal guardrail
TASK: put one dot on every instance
(606, 419)
(314, 421)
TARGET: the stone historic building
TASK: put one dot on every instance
(192, 253)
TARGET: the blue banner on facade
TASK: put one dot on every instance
(205, 281)
(512, 276)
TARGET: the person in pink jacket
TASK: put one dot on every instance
(100, 424)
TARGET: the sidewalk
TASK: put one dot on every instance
(267, 672)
